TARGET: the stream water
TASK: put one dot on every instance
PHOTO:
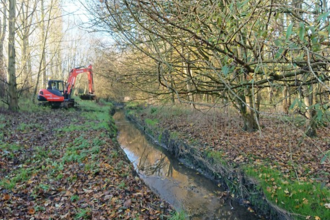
(180, 186)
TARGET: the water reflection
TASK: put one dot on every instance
(178, 185)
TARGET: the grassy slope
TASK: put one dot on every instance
(289, 167)
(57, 163)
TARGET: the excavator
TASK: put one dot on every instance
(58, 92)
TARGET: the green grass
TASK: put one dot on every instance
(40, 153)
(151, 122)
(10, 147)
(121, 185)
(97, 117)
(88, 125)
(26, 127)
(74, 198)
(16, 176)
(167, 111)
(132, 105)
(174, 135)
(26, 105)
(83, 214)
(217, 156)
(304, 198)
(181, 215)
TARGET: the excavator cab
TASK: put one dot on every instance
(56, 85)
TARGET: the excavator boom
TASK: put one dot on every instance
(73, 76)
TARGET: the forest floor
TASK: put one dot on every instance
(292, 169)
(66, 164)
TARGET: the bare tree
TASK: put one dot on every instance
(26, 19)
(3, 29)
(12, 86)
(234, 51)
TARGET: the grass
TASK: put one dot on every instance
(9, 150)
(80, 149)
(151, 122)
(217, 156)
(305, 198)
(90, 124)
(16, 176)
(10, 147)
(166, 111)
(122, 185)
(83, 214)
(45, 170)
(181, 215)
(132, 105)
(26, 127)
(74, 198)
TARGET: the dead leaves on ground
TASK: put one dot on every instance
(47, 173)
(279, 145)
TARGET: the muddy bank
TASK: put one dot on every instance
(242, 187)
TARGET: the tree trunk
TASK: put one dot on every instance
(3, 23)
(310, 111)
(250, 120)
(285, 103)
(43, 51)
(189, 89)
(258, 101)
(245, 105)
(172, 92)
(12, 93)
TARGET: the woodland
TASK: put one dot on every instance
(248, 80)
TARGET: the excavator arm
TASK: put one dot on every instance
(73, 76)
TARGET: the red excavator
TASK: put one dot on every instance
(58, 93)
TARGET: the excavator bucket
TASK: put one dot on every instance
(87, 97)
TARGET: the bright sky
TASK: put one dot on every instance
(77, 15)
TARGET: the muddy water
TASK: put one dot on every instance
(180, 186)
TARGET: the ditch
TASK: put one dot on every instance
(185, 189)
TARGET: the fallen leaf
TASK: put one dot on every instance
(68, 193)
(31, 211)
(6, 197)
(88, 190)
(128, 203)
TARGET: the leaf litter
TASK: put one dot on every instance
(280, 145)
(49, 172)
(281, 154)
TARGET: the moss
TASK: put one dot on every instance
(304, 198)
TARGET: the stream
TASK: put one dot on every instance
(184, 188)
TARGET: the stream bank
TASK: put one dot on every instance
(182, 187)
(241, 186)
